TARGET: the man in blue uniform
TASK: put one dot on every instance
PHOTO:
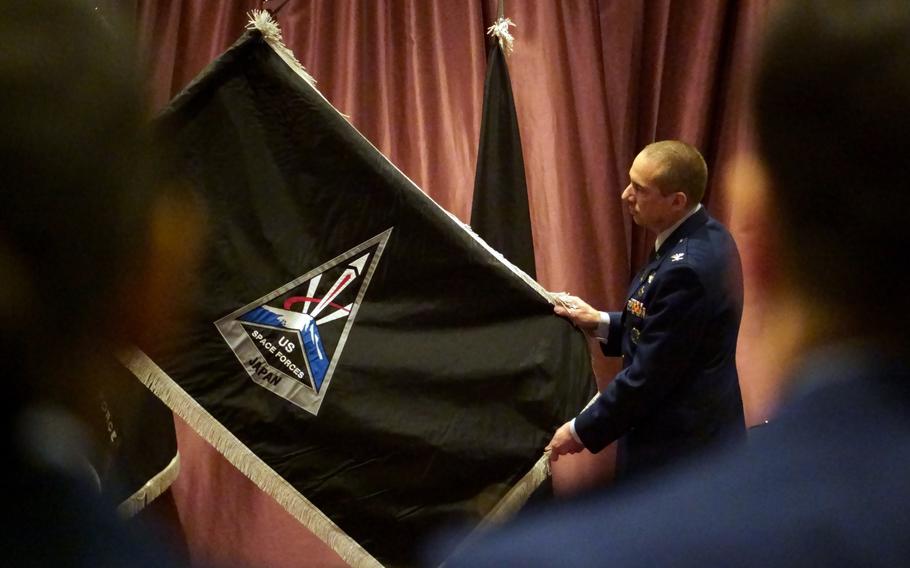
(825, 483)
(678, 391)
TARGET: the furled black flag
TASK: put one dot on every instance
(499, 213)
(140, 460)
(353, 349)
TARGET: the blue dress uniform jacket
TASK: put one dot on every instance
(678, 391)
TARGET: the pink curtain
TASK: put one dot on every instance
(594, 81)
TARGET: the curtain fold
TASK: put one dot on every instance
(593, 81)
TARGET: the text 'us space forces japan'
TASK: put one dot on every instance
(290, 341)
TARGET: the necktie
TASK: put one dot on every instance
(644, 269)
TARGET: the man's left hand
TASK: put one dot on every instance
(579, 312)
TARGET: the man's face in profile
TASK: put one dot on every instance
(648, 207)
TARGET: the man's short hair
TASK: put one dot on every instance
(683, 169)
(831, 107)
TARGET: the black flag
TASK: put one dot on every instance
(140, 460)
(499, 213)
(352, 348)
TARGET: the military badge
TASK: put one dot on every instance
(290, 340)
(677, 257)
(636, 308)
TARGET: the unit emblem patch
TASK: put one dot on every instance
(290, 340)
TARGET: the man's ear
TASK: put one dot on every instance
(775, 319)
(680, 201)
(151, 303)
(753, 223)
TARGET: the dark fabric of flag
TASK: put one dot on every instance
(499, 212)
(344, 327)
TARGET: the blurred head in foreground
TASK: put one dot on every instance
(87, 243)
(829, 188)
(90, 249)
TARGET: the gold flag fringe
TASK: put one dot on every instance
(518, 494)
(152, 489)
(261, 20)
(238, 454)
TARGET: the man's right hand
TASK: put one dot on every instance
(563, 442)
(579, 312)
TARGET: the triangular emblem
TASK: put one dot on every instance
(290, 340)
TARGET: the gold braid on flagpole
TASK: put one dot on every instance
(500, 30)
(261, 20)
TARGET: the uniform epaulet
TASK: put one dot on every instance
(678, 253)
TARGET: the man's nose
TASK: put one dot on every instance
(627, 193)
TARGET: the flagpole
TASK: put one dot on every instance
(274, 11)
